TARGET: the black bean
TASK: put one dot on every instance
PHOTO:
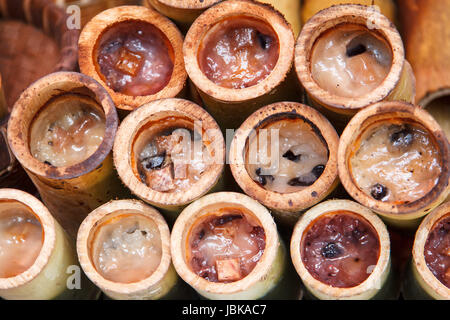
(302, 181)
(291, 156)
(331, 250)
(402, 138)
(355, 49)
(50, 143)
(318, 170)
(48, 163)
(155, 162)
(262, 178)
(226, 219)
(201, 234)
(264, 40)
(378, 191)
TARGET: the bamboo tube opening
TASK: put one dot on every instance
(231, 279)
(31, 115)
(266, 33)
(124, 248)
(425, 270)
(405, 190)
(363, 274)
(376, 33)
(29, 220)
(301, 170)
(169, 152)
(135, 53)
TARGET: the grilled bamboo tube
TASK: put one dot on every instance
(399, 83)
(161, 283)
(69, 192)
(378, 285)
(50, 274)
(310, 7)
(396, 208)
(170, 41)
(228, 104)
(291, 11)
(287, 206)
(427, 48)
(270, 278)
(144, 125)
(421, 282)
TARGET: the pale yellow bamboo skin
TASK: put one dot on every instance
(183, 12)
(3, 105)
(230, 107)
(267, 272)
(171, 203)
(311, 7)
(406, 215)
(366, 290)
(88, 45)
(399, 84)
(70, 193)
(291, 11)
(423, 276)
(288, 207)
(154, 287)
(49, 276)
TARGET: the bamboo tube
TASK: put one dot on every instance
(424, 26)
(291, 11)
(143, 126)
(287, 206)
(377, 285)
(420, 282)
(160, 283)
(183, 12)
(167, 46)
(70, 192)
(50, 274)
(270, 277)
(396, 208)
(310, 7)
(3, 105)
(231, 104)
(399, 83)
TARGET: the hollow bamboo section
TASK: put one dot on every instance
(70, 192)
(310, 7)
(230, 106)
(183, 12)
(270, 278)
(378, 285)
(287, 207)
(427, 46)
(420, 282)
(55, 270)
(162, 283)
(403, 214)
(91, 37)
(399, 84)
(149, 119)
